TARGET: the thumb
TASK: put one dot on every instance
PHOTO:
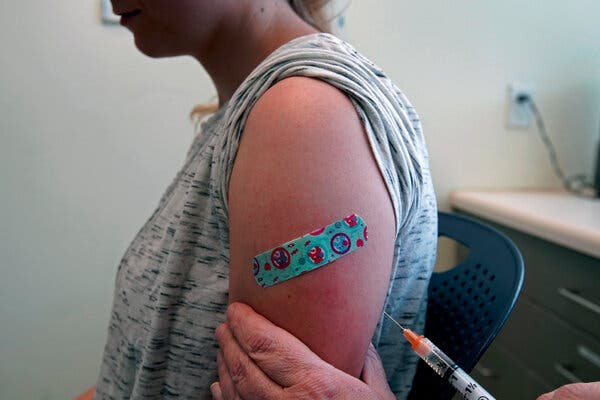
(280, 355)
(373, 373)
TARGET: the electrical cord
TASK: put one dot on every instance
(578, 183)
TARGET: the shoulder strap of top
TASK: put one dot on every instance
(391, 123)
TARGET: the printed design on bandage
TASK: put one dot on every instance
(311, 251)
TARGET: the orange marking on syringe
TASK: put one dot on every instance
(412, 337)
(419, 343)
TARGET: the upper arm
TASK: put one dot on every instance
(304, 161)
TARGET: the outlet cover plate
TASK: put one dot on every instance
(519, 114)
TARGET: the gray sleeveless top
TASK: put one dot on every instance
(171, 288)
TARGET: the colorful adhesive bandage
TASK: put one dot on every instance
(310, 251)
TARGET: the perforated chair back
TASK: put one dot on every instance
(469, 303)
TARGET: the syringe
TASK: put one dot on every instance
(444, 366)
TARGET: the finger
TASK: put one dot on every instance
(373, 373)
(281, 356)
(248, 379)
(215, 391)
(578, 391)
(547, 396)
(225, 382)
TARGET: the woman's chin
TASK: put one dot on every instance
(153, 50)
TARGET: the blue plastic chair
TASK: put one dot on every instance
(469, 303)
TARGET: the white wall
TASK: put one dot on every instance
(92, 131)
(454, 60)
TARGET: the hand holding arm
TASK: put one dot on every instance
(259, 360)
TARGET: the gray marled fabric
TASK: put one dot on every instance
(171, 287)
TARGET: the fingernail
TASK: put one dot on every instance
(215, 390)
(220, 330)
(231, 310)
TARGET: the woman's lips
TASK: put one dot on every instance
(128, 16)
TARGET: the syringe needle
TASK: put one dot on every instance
(413, 338)
(396, 322)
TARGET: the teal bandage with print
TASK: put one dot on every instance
(310, 251)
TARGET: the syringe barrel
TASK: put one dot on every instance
(467, 387)
(450, 372)
(434, 357)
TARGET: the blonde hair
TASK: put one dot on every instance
(311, 11)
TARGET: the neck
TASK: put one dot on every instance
(237, 48)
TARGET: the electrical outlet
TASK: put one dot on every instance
(519, 113)
(107, 15)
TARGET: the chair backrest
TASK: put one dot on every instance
(468, 304)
